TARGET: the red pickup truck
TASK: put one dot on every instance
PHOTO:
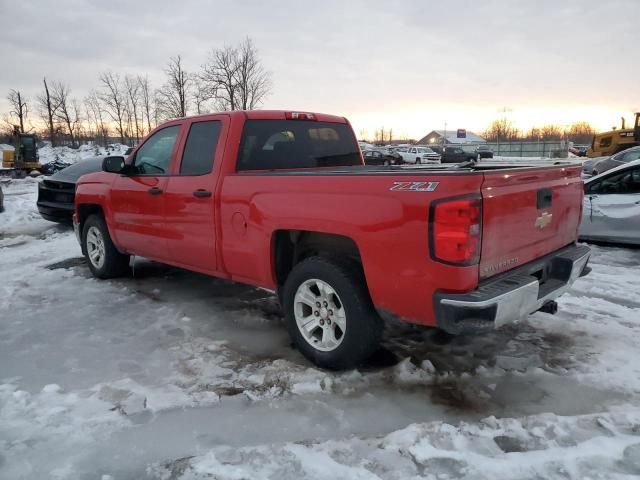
(282, 200)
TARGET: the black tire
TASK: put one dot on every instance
(115, 264)
(363, 325)
(418, 161)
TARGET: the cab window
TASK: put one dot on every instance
(200, 149)
(286, 144)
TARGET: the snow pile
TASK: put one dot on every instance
(53, 421)
(71, 155)
(20, 216)
(170, 374)
(542, 446)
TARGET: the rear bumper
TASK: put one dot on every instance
(513, 295)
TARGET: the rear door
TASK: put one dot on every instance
(190, 195)
(450, 155)
(612, 208)
(528, 213)
(413, 155)
(138, 201)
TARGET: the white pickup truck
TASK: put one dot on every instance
(418, 154)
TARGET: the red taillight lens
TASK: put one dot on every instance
(456, 231)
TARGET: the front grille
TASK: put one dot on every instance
(57, 192)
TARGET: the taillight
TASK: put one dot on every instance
(456, 230)
(299, 116)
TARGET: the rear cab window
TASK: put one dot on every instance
(200, 148)
(293, 144)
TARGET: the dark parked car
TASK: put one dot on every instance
(616, 160)
(53, 167)
(57, 192)
(483, 151)
(579, 150)
(376, 157)
(454, 154)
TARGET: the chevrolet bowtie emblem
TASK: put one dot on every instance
(543, 220)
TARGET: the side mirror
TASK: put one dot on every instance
(113, 164)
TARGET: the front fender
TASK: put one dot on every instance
(94, 190)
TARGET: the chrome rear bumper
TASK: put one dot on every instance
(513, 295)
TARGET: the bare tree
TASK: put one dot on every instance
(254, 83)
(96, 114)
(551, 132)
(114, 100)
(201, 94)
(19, 107)
(235, 77)
(581, 132)
(48, 109)
(68, 110)
(173, 95)
(219, 75)
(146, 97)
(501, 129)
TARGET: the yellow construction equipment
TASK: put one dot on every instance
(614, 141)
(24, 158)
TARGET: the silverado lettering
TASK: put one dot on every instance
(341, 248)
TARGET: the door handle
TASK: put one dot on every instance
(201, 193)
(155, 191)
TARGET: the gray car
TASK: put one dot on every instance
(611, 209)
(616, 160)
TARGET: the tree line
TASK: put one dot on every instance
(503, 130)
(127, 107)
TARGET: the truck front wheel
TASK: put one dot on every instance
(329, 313)
(105, 261)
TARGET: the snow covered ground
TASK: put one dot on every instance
(173, 375)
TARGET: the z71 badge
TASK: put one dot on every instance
(414, 186)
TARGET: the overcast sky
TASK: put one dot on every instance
(408, 65)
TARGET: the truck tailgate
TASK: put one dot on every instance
(528, 214)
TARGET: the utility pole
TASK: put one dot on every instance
(444, 137)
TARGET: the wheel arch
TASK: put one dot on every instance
(84, 211)
(289, 247)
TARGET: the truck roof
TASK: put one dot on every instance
(274, 115)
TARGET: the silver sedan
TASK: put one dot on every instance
(611, 210)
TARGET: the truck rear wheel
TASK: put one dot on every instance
(105, 261)
(329, 313)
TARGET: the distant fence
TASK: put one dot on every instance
(546, 149)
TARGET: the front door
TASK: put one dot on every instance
(613, 207)
(138, 198)
(190, 197)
